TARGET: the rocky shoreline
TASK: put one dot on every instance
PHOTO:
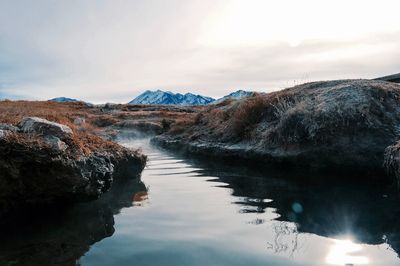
(52, 153)
(42, 164)
(343, 125)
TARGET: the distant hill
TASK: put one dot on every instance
(63, 100)
(391, 78)
(235, 95)
(167, 97)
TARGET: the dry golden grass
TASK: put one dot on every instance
(312, 113)
(12, 112)
(229, 120)
(85, 137)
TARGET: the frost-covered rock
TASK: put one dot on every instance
(55, 143)
(8, 127)
(3, 133)
(42, 126)
(79, 121)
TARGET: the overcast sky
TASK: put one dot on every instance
(110, 51)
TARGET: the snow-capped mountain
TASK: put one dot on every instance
(63, 100)
(235, 95)
(167, 97)
(192, 99)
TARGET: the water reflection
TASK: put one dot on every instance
(366, 212)
(344, 252)
(61, 236)
(193, 211)
(322, 207)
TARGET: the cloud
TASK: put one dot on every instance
(112, 50)
(280, 65)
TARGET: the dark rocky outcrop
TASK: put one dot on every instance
(392, 161)
(391, 78)
(41, 165)
(342, 125)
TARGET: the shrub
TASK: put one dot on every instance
(246, 116)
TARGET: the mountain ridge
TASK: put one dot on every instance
(167, 97)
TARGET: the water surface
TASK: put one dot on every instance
(198, 212)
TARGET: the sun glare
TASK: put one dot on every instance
(343, 252)
(257, 22)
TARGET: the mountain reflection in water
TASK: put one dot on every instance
(196, 211)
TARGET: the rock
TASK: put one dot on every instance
(42, 126)
(39, 177)
(3, 133)
(55, 143)
(32, 174)
(8, 127)
(79, 121)
(392, 162)
(342, 125)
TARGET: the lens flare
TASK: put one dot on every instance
(343, 253)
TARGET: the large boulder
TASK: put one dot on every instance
(41, 169)
(42, 126)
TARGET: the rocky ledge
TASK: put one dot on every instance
(42, 163)
(342, 125)
(392, 161)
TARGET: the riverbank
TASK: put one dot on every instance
(58, 161)
(343, 126)
(182, 205)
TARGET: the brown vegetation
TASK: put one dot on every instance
(94, 121)
(44, 163)
(333, 123)
(85, 138)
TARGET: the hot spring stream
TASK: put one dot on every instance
(194, 212)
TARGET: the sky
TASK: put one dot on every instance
(112, 50)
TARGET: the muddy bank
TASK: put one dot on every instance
(342, 125)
